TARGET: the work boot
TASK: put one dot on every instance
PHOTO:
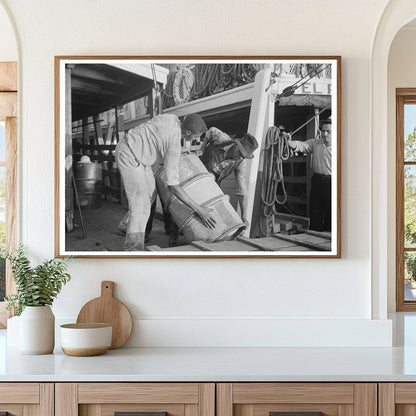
(134, 242)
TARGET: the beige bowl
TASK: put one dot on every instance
(83, 340)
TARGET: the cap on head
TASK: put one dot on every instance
(247, 145)
(195, 124)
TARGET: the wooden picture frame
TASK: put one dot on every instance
(288, 104)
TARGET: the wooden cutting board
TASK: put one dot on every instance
(107, 309)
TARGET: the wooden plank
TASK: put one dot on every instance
(406, 91)
(206, 399)
(296, 248)
(400, 293)
(268, 244)
(66, 399)
(234, 245)
(138, 393)
(306, 238)
(303, 240)
(345, 410)
(178, 248)
(246, 410)
(224, 399)
(30, 410)
(386, 399)
(8, 76)
(8, 105)
(200, 245)
(91, 410)
(324, 234)
(405, 410)
(11, 194)
(47, 399)
(405, 393)
(340, 393)
(190, 410)
(365, 395)
(24, 393)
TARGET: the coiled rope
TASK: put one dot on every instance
(276, 150)
(208, 79)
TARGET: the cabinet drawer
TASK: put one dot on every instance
(309, 399)
(138, 393)
(148, 399)
(21, 399)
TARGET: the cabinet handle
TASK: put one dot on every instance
(138, 414)
(295, 413)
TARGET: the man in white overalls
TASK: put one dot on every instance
(151, 143)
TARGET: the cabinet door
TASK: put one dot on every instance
(26, 399)
(397, 399)
(297, 399)
(142, 399)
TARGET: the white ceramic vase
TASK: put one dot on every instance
(37, 330)
(12, 334)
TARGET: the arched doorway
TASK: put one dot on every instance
(396, 15)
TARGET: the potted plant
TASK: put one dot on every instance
(36, 289)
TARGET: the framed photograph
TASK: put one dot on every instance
(198, 156)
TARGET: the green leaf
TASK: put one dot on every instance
(35, 286)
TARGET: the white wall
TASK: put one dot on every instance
(8, 46)
(401, 74)
(211, 302)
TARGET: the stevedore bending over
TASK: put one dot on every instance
(320, 198)
(223, 155)
(149, 144)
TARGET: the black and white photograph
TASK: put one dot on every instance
(198, 157)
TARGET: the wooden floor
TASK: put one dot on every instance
(303, 241)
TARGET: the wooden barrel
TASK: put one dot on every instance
(200, 185)
(89, 181)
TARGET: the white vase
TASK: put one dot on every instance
(37, 330)
(12, 334)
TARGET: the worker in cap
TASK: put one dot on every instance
(223, 155)
(143, 147)
(320, 197)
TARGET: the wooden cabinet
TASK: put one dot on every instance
(106, 399)
(297, 399)
(397, 399)
(208, 399)
(27, 399)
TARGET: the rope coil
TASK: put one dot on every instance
(204, 80)
(276, 150)
(182, 85)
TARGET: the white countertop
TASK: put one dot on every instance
(221, 364)
(215, 364)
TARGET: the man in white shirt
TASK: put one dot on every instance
(320, 197)
(151, 143)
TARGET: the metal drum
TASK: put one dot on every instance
(200, 185)
(89, 181)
